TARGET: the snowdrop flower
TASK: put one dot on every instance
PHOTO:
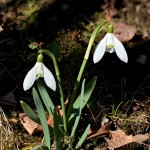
(110, 44)
(39, 70)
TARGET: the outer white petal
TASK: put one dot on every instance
(100, 50)
(49, 78)
(120, 50)
(30, 78)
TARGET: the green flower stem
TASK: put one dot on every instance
(51, 55)
(76, 88)
(86, 57)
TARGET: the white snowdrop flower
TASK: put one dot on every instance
(110, 44)
(39, 70)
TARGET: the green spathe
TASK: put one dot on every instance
(40, 58)
(110, 29)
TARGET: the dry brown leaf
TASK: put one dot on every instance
(32, 126)
(60, 109)
(50, 121)
(103, 131)
(119, 140)
(141, 105)
(14, 120)
(29, 124)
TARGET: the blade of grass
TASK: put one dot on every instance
(56, 130)
(87, 93)
(79, 110)
(82, 139)
(42, 116)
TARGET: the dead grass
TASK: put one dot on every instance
(7, 140)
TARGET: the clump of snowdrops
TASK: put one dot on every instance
(64, 128)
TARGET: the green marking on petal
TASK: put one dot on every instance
(109, 46)
(110, 29)
(39, 75)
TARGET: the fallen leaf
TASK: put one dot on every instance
(32, 126)
(50, 121)
(60, 108)
(29, 124)
(103, 131)
(119, 140)
(104, 120)
(145, 105)
(14, 120)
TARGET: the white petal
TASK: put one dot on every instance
(120, 50)
(30, 78)
(100, 50)
(49, 78)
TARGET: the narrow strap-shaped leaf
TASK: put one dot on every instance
(42, 116)
(56, 130)
(87, 93)
(82, 139)
(29, 112)
(48, 102)
(79, 110)
(45, 97)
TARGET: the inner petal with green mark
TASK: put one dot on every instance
(39, 75)
(110, 48)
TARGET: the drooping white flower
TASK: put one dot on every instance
(110, 44)
(39, 70)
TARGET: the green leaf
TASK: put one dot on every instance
(32, 45)
(79, 110)
(87, 93)
(29, 112)
(56, 130)
(82, 139)
(45, 97)
(42, 116)
(48, 102)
